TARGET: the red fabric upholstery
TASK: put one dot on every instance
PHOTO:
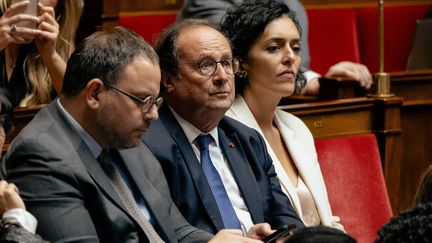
(399, 28)
(332, 37)
(147, 26)
(352, 171)
(352, 34)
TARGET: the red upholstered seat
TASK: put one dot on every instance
(353, 174)
(147, 26)
(332, 37)
(399, 28)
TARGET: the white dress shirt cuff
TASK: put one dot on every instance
(309, 75)
(21, 216)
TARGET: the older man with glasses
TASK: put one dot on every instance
(218, 170)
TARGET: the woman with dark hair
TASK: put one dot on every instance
(265, 37)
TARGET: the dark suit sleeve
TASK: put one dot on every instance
(282, 212)
(50, 191)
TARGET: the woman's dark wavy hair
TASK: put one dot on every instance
(411, 226)
(245, 23)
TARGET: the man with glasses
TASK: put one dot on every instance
(80, 164)
(218, 170)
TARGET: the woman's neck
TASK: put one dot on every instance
(262, 107)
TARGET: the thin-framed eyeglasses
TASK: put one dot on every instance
(145, 103)
(207, 67)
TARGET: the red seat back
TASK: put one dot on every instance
(148, 26)
(355, 183)
(332, 37)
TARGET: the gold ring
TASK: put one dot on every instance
(13, 29)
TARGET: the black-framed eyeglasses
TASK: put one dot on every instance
(145, 103)
(207, 67)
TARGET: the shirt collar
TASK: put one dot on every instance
(191, 131)
(91, 143)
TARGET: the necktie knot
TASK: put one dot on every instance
(203, 141)
(106, 162)
(104, 157)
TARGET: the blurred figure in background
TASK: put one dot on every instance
(33, 60)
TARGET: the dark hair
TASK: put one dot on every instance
(412, 226)
(319, 234)
(245, 23)
(166, 44)
(104, 55)
(424, 189)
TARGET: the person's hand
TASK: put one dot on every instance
(229, 235)
(9, 197)
(260, 231)
(20, 35)
(355, 71)
(49, 32)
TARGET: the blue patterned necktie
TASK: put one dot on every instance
(226, 209)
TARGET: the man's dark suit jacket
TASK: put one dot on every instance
(247, 156)
(66, 189)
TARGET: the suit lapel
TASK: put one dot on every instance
(87, 159)
(135, 162)
(84, 154)
(99, 176)
(194, 166)
(245, 179)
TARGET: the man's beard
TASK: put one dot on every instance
(106, 125)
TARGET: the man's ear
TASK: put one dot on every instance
(167, 80)
(93, 91)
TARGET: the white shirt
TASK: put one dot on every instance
(21, 216)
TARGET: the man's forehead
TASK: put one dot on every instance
(202, 41)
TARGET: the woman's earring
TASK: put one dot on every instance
(242, 73)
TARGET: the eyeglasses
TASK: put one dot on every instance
(207, 67)
(145, 103)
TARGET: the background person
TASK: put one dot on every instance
(33, 61)
(17, 225)
(270, 70)
(213, 10)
